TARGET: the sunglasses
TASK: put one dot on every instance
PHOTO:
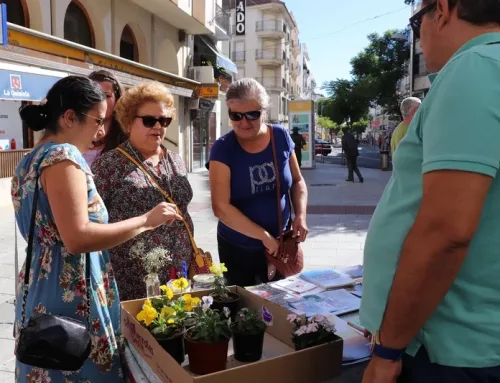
(150, 121)
(416, 19)
(250, 116)
(99, 121)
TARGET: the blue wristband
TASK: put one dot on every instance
(388, 353)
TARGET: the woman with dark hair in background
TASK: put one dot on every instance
(71, 221)
(112, 135)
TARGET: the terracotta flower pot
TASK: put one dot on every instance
(174, 346)
(248, 347)
(232, 304)
(206, 358)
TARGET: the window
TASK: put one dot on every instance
(16, 12)
(128, 46)
(77, 27)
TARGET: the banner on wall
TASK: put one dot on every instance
(240, 17)
(11, 126)
(301, 116)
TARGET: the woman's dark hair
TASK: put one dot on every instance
(76, 93)
(115, 135)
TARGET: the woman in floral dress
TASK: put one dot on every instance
(70, 221)
(144, 112)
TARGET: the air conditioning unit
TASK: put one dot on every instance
(204, 74)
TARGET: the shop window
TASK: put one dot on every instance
(128, 45)
(16, 12)
(77, 27)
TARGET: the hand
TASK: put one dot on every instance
(299, 228)
(271, 244)
(382, 371)
(160, 214)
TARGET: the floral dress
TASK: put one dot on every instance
(128, 192)
(57, 278)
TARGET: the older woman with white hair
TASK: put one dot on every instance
(243, 186)
(409, 107)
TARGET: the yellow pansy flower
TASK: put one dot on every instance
(169, 293)
(167, 311)
(171, 321)
(187, 298)
(195, 301)
(188, 308)
(147, 315)
(180, 283)
(147, 303)
(223, 267)
(218, 270)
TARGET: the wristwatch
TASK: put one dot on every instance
(384, 352)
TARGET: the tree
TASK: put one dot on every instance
(349, 101)
(325, 123)
(380, 67)
(359, 127)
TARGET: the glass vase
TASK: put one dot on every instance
(152, 285)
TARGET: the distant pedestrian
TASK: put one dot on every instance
(300, 142)
(409, 107)
(350, 148)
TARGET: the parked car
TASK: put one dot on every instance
(322, 147)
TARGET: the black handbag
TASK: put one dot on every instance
(51, 341)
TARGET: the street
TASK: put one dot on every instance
(369, 157)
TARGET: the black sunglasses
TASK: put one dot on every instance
(250, 116)
(416, 19)
(150, 121)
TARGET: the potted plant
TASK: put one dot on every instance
(223, 297)
(207, 341)
(311, 331)
(248, 331)
(167, 320)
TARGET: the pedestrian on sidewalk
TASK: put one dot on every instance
(299, 141)
(243, 186)
(409, 107)
(351, 151)
(136, 176)
(112, 132)
(71, 221)
(431, 261)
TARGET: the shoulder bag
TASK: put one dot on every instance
(202, 260)
(51, 341)
(289, 260)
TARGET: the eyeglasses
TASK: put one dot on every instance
(250, 116)
(416, 19)
(150, 121)
(99, 121)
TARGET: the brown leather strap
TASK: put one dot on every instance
(278, 188)
(169, 199)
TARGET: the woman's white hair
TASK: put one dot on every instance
(248, 89)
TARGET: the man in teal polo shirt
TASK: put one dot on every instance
(432, 254)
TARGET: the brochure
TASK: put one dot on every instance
(327, 279)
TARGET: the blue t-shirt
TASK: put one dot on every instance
(253, 184)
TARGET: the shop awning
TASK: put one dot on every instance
(25, 83)
(222, 60)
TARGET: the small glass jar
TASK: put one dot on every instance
(152, 285)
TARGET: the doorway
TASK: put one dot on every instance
(204, 134)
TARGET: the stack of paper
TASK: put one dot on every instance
(295, 285)
(327, 279)
(335, 302)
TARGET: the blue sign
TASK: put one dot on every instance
(4, 36)
(23, 86)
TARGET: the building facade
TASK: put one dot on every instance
(135, 39)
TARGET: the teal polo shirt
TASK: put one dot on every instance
(457, 127)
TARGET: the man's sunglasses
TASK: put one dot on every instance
(150, 121)
(416, 19)
(250, 116)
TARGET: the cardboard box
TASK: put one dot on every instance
(280, 363)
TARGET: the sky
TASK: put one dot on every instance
(336, 30)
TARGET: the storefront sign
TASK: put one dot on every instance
(11, 126)
(208, 91)
(301, 116)
(4, 36)
(240, 17)
(24, 86)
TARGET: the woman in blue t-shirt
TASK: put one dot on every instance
(243, 186)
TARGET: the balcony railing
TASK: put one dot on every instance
(239, 56)
(269, 26)
(271, 82)
(223, 19)
(262, 54)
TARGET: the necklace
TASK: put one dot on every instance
(162, 161)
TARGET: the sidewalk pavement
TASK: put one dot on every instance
(338, 218)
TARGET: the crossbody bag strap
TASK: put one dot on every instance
(278, 187)
(165, 194)
(29, 258)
